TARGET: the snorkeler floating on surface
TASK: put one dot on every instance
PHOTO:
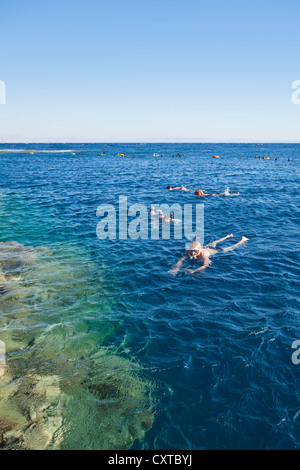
(227, 192)
(196, 252)
(201, 193)
(160, 216)
(178, 188)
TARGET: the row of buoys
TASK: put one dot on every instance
(162, 155)
(173, 156)
(103, 154)
(268, 158)
(125, 155)
(262, 158)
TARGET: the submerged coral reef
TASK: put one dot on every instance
(61, 387)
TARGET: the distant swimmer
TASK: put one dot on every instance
(178, 188)
(168, 219)
(160, 216)
(201, 193)
(196, 252)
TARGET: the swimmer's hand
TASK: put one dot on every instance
(195, 271)
(177, 266)
(173, 271)
(191, 271)
(206, 264)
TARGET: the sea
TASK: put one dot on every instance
(105, 349)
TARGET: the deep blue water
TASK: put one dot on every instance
(215, 347)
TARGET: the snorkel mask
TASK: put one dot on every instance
(193, 254)
(195, 249)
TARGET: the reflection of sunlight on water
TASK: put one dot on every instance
(63, 389)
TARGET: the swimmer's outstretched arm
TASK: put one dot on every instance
(206, 264)
(178, 265)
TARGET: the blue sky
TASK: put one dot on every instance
(142, 71)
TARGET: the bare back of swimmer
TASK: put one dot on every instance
(178, 188)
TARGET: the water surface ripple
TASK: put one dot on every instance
(213, 350)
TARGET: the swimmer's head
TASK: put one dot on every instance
(169, 187)
(194, 250)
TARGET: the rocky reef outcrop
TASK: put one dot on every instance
(61, 388)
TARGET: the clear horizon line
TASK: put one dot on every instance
(150, 142)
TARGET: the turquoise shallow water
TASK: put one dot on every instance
(134, 357)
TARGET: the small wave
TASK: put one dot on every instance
(228, 193)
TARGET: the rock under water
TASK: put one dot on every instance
(62, 389)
